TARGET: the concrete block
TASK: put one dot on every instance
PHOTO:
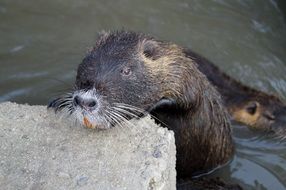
(40, 151)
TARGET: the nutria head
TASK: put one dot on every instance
(260, 111)
(125, 75)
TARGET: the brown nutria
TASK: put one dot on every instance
(129, 74)
(246, 105)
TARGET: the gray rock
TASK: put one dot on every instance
(41, 151)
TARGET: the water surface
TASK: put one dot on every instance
(42, 42)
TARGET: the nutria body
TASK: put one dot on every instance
(128, 74)
(246, 105)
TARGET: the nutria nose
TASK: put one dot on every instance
(84, 102)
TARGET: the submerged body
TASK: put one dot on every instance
(128, 74)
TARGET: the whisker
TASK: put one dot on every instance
(134, 109)
(115, 119)
(126, 120)
(63, 103)
(139, 110)
(125, 112)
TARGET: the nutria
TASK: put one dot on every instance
(246, 105)
(129, 74)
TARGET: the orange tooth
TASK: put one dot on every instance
(87, 123)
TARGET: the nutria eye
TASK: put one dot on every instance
(252, 107)
(126, 71)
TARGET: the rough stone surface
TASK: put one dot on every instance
(40, 151)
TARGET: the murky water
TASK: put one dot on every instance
(42, 42)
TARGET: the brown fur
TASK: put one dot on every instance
(201, 117)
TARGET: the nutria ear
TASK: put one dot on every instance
(162, 103)
(151, 49)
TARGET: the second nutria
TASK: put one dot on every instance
(249, 106)
(128, 74)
